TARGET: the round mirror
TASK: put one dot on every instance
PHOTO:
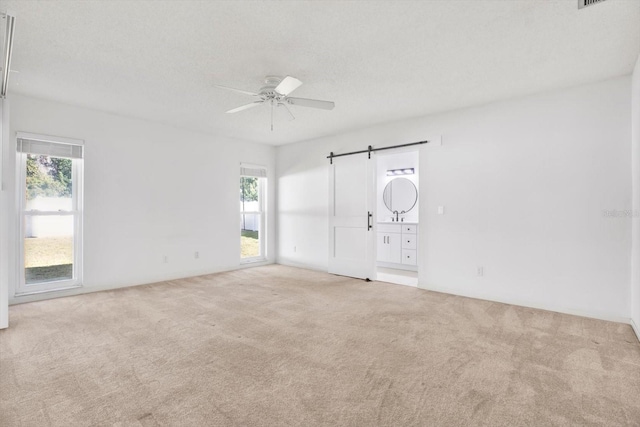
(400, 195)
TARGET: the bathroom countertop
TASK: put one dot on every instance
(398, 222)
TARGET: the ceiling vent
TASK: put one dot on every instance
(585, 3)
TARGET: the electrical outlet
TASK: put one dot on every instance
(480, 271)
(295, 249)
(196, 255)
(440, 210)
(165, 259)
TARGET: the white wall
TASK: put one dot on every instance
(525, 184)
(635, 160)
(150, 190)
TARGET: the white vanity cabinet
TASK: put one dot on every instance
(397, 244)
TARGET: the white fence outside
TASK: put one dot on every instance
(48, 225)
(250, 221)
(53, 226)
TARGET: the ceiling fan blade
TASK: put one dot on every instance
(291, 116)
(245, 107)
(245, 92)
(313, 103)
(288, 85)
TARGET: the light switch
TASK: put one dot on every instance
(440, 210)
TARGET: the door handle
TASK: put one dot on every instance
(369, 218)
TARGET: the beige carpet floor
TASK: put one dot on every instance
(275, 346)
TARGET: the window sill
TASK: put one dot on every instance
(252, 260)
(45, 291)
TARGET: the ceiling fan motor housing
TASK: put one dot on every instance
(268, 90)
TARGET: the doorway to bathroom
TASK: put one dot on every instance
(374, 214)
(397, 219)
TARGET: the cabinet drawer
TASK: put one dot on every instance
(409, 229)
(389, 228)
(408, 241)
(409, 257)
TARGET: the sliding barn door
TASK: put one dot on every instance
(351, 231)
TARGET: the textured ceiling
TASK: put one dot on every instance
(379, 61)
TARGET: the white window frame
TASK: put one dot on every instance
(77, 177)
(245, 172)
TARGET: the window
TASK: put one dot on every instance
(50, 220)
(252, 217)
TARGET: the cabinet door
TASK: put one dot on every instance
(395, 247)
(382, 248)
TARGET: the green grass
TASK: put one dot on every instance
(48, 258)
(249, 233)
(48, 251)
(249, 244)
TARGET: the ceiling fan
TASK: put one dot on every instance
(275, 93)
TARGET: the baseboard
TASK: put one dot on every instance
(146, 281)
(291, 263)
(635, 328)
(397, 279)
(514, 301)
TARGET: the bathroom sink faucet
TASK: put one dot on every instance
(396, 212)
